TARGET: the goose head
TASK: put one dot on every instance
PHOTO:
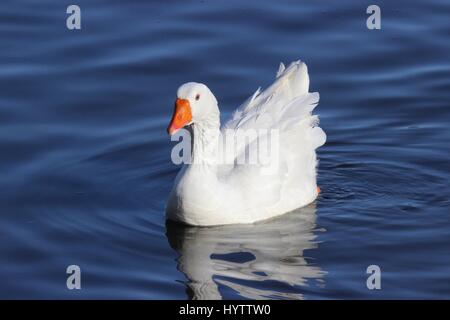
(195, 103)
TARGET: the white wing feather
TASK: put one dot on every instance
(285, 105)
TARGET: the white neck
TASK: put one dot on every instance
(206, 134)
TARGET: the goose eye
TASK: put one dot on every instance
(197, 97)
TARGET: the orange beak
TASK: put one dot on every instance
(181, 116)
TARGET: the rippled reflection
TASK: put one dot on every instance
(248, 258)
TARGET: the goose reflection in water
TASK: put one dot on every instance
(259, 261)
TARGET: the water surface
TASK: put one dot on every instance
(86, 167)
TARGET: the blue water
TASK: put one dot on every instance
(85, 159)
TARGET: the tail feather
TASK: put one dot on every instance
(318, 137)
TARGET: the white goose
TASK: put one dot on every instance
(212, 191)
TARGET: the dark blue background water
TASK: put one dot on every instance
(85, 160)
